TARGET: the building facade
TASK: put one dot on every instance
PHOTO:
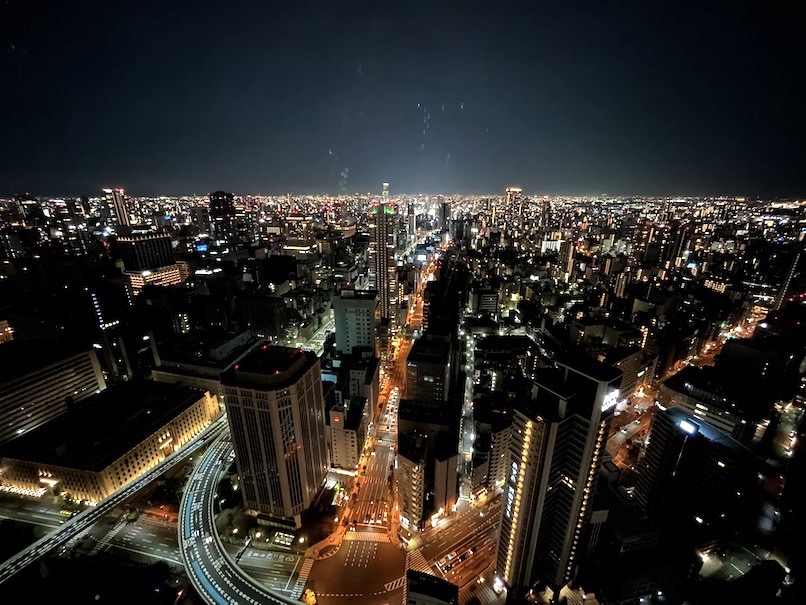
(556, 444)
(36, 384)
(107, 441)
(354, 312)
(276, 413)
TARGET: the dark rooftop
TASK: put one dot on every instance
(426, 584)
(705, 430)
(270, 367)
(433, 351)
(21, 357)
(590, 368)
(413, 446)
(100, 429)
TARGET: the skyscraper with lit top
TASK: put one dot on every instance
(555, 449)
(276, 413)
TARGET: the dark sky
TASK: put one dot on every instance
(559, 97)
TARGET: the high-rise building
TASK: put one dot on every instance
(38, 381)
(383, 270)
(428, 370)
(222, 213)
(566, 259)
(695, 471)
(555, 449)
(443, 214)
(116, 209)
(354, 312)
(276, 413)
(410, 476)
(411, 223)
(514, 202)
(780, 297)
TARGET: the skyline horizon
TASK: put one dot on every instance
(97, 193)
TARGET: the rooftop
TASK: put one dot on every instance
(100, 429)
(426, 584)
(270, 367)
(703, 429)
(426, 350)
(590, 367)
(21, 357)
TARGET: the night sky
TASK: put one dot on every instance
(592, 97)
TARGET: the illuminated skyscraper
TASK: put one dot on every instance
(514, 203)
(222, 213)
(383, 270)
(555, 449)
(276, 414)
(116, 210)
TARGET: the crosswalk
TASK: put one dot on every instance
(366, 536)
(302, 578)
(395, 584)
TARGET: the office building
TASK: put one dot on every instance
(566, 259)
(115, 209)
(428, 370)
(222, 214)
(348, 431)
(276, 413)
(690, 465)
(38, 382)
(410, 477)
(556, 444)
(443, 214)
(198, 358)
(107, 440)
(143, 252)
(354, 312)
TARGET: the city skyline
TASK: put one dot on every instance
(370, 303)
(683, 99)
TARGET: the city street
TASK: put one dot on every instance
(361, 570)
(370, 507)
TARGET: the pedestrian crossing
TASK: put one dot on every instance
(395, 584)
(367, 536)
(302, 578)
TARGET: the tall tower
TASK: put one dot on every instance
(222, 213)
(411, 224)
(553, 459)
(782, 292)
(116, 208)
(383, 270)
(514, 203)
(276, 414)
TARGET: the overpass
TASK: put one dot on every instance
(213, 573)
(74, 527)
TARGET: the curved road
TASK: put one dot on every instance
(216, 577)
(83, 521)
